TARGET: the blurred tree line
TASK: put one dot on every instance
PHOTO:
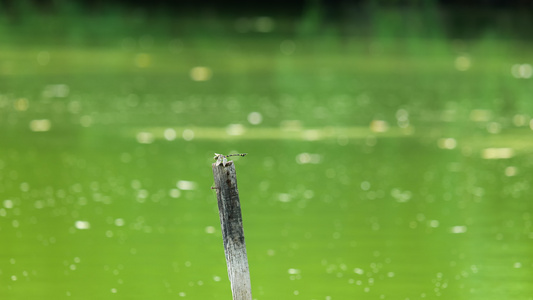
(454, 18)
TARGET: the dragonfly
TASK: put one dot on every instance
(223, 159)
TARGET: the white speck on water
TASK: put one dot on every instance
(170, 134)
(24, 187)
(520, 120)
(510, 171)
(217, 278)
(308, 158)
(497, 153)
(8, 203)
(142, 194)
(21, 104)
(82, 225)
(291, 125)
(390, 274)
(235, 129)
(182, 294)
(447, 143)
(284, 197)
(293, 271)
(136, 184)
(402, 117)
(14, 277)
(494, 127)
(379, 126)
(480, 115)
(145, 137)
(522, 71)
(119, 222)
(185, 185)
(40, 125)
(517, 265)
(174, 193)
(201, 73)
(287, 47)
(358, 271)
(462, 63)
(113, 290)
(38, 204)
(400, 196)
(434, 223)
(311, 135)
(474, 269)
(365, 185)
(86, 121)
(188, 134)
(210, 229)
(458, 229)
(296, 292)
(255, 118)
(56, 91)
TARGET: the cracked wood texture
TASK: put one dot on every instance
(229, 208)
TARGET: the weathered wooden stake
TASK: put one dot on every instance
(229, 208)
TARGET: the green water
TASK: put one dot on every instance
(376, 169)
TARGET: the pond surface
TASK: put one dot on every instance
(373, 171)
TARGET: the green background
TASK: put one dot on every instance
(386, 158)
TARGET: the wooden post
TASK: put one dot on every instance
(229, 208)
